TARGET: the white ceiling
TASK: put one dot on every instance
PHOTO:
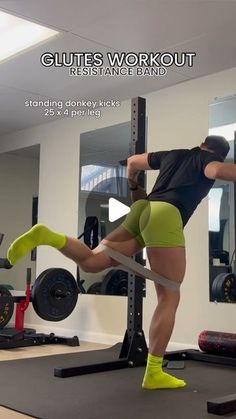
(206, 27)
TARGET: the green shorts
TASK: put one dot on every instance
(155, 224)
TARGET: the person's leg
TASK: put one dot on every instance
(170, 263)
(89, 260)
(123, 239)
(161, 228)
(97, 260)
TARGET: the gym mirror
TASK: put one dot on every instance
(19, 180)
(102, 177)
(221, 210)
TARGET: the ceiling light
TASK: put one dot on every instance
(18, 34)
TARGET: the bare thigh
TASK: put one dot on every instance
(169, 262)
(119, 239)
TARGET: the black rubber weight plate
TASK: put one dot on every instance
(224, 288)
(45, 300)
(6, 307)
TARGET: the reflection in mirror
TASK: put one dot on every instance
(103, 181)
(19, 183)
(221, 219)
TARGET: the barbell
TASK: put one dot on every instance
(54, 295)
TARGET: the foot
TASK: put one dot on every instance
(161, 380)
(36, 236)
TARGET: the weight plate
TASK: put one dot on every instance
(224, 288)
(6, 307)
(115, 282)
(216, 288)
(54, 294)
(95, 288)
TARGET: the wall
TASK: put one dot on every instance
(177, 117)
(19, 177)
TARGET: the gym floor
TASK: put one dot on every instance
(39, 351)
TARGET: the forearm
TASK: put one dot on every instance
(132, 170)
(138, 192)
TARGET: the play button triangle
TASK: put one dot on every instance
(116, 209)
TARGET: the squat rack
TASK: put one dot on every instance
(134, 348)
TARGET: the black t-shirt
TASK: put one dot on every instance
(181, 180)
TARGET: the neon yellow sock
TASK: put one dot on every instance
(156, 378)
(36, 236)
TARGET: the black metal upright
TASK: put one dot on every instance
(134, 349)
(134, 345)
